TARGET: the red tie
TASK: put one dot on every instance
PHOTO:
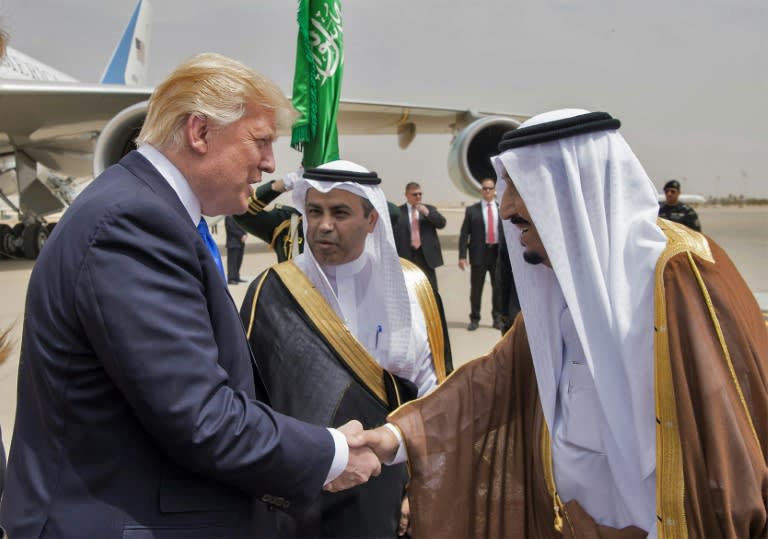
(491, 234)
(415, 234)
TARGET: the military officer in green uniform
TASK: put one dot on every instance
(676, 211)
(279, 226)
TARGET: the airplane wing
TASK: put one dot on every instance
(76, 130)
(56, 124)
(370, 117)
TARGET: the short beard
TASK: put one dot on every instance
(533, 258)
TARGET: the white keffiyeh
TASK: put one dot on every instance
(595, 209)
(370, 293)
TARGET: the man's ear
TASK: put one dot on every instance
(196, 133)
(373, 218)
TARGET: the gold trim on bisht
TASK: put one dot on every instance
(670, 481)
(549, 478)
(416, 281)
(332, 328)
(253, 305)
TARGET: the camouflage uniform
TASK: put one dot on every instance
(681, 213)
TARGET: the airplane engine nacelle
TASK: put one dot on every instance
(118, 137)
(469, 159)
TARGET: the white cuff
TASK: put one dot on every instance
(401, 455)
(340, 457)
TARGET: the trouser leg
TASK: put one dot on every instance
(496, 298)
(419, 260)
(476, 282)
(234, 260)
(431, 276)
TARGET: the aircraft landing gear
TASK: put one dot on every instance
(6, 235)
(22, 240)
(33, 237)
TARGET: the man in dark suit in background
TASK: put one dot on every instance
(235, 249)
(504, 290)
(416, 233)
(480, 232)
(139, 411)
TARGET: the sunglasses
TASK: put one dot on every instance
(488, 188)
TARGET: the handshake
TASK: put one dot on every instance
(368, 449)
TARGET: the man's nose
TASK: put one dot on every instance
(326, 223)
(268, 159)
(508, 205)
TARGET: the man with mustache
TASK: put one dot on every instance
(630, 398)
(347, 330)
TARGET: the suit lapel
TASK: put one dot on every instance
(145, 172)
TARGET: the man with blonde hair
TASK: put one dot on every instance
(139, 409)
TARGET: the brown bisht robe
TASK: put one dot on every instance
(479, 453)
(315, 370)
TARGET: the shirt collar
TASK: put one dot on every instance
(175, 179)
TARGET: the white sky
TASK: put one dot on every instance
(688, 79)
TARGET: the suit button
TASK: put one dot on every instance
(281, 502)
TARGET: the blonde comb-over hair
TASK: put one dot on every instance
(213, 86)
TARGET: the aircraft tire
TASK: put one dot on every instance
(33, 239)
(6, 235)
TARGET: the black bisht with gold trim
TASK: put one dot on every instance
(314, 372)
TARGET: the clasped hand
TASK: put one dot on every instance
(367, 450)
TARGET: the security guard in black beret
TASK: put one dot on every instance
(676, 211)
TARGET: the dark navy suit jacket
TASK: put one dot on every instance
(472, 233)
(428, 226)
(139, 411)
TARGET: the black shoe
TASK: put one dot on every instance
(234, 281)
(473, 325)
(242, 281)
(498, 325)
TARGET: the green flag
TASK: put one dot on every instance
(317, 81)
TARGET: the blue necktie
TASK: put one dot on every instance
(202, 228)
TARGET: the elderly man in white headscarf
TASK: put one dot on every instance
(631, 396)
(346, 331)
